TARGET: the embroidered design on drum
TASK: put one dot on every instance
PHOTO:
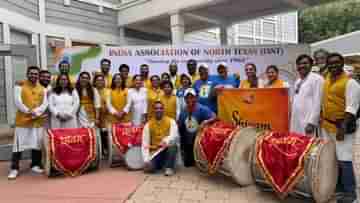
(281, 157)
(249, 99)
(65, 143)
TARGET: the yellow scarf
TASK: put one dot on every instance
(276, 84)
(104, 94)
(89, 106)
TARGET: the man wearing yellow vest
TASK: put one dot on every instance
(31, 103)
(174, 77)
(124, 70)
(341, 101)
(64, 68)
(192, 70)
(105, 65)
(159, 142)
(144, 72)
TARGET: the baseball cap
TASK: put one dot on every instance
(190, 91)
(223, 64)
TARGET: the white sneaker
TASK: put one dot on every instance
(37, 169)
(13, 174)
(169, 172)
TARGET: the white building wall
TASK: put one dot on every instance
(268, 30)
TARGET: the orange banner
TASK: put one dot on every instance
(264, 108)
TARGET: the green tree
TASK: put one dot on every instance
(329, 20)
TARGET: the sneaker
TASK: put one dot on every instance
(13, 174)
(169, 172)
(37, 169)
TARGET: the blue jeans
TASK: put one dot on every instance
(346, 179)
(166, 158)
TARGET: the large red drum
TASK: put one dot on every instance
(125, 145)
(71, 151)
(223, 148)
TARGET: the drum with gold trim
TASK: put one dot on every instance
(49, 162)
(235, 161)
(125, 148)
(320, 173)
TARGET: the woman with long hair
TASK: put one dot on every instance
(63, 103)
(117, 100)
(185, 80)
(137, 102)
(90, 102)
(272, 73)
(154, 93)
(99, 82)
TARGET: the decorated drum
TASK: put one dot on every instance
(125, 146)
(356, 159)
(223, 148)
(296, 165)
(71, 151)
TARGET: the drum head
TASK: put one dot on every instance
(238, 159)
(324, 172)
(133, 158)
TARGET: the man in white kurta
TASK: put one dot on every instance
(159, 142)
(31, 103)
(306, 102)
(341, 102)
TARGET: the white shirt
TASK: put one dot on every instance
(137, 104)
(306, 103)
(169, 139)
(64, 103)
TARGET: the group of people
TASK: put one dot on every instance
(172, 106)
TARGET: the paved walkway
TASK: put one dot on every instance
(117, 185)
(189, 186)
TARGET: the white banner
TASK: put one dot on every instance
(159, 57)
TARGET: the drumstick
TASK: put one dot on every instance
(157, 152)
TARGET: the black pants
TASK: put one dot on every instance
(35, 159)
(104, 142)
(187, 148)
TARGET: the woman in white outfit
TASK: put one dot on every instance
(137, 102)
(63, 104)
(90, 103)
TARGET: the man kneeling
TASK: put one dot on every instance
(159, 140)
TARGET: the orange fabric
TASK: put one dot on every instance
(263, 108)
(126, 134)
(214, 142)
(276, 84)
(72, 149)
(281, 157)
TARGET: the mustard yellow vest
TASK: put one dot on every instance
(158, 130)
(32, 97)
(153, 96)
(108, 80)
(118, 101)
(169, 103)
(333, 107)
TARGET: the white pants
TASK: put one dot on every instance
(27, 138)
